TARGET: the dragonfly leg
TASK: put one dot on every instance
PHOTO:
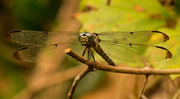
(89, 50)
(89, 55)
(84, 51)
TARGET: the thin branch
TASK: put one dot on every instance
(115, 69)
(177, 94)
(146, 80)
(76, 81)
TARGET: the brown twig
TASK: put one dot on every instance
(117, 69)
(177, 94)
(146, 80)
(76, 81)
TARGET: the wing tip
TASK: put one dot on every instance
(16, 55)
(157, 31)
(166, 37)
(168, 54)
(15, 31)
(7, 37)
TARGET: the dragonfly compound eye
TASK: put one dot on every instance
(83, 38)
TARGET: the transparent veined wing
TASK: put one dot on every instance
(43, 46)
(47, 54)
(50, 54)
(135, 46)
(138, 37)
(29, 37)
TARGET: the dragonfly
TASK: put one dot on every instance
(137, 46)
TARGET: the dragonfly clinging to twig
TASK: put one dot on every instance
(127, 46)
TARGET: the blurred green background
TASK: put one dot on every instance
(22, 80)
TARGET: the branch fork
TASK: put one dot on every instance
(109, 68)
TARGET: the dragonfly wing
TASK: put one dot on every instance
(139, 37)
(136, 52)
(28, 37)
(49, 54)
(43, 46)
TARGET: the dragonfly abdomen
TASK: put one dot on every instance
(99, 50)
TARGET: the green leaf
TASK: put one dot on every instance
(122, 15)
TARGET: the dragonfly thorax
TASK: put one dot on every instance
(87, 39)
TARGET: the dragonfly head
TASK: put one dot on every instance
(85, 38)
